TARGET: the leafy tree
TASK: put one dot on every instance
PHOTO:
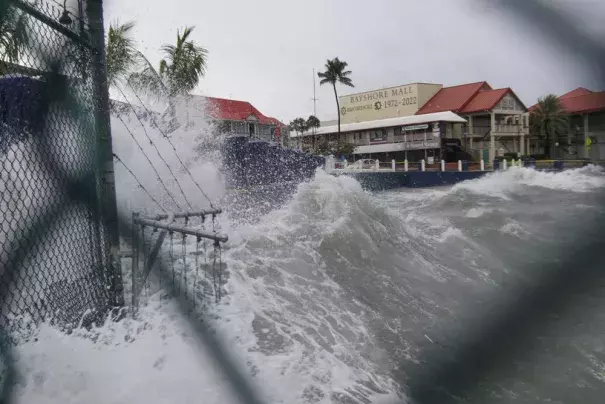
(299, 125)
(14, 35)
(549, 121)
(313, 122)
(343, 149)
(184, 63)
(336, 73)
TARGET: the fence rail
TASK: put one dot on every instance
(382, 166)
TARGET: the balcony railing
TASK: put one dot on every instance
(507, 129)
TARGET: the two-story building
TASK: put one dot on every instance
(412, 138)
(586, 110)
(497, 122)
(477, 119)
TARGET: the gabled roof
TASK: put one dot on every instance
(574, 93)
(234, 110)
(591, 102)
(581, 101)
(452, 98)
(485, 100)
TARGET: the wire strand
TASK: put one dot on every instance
(174, 149)
(155, 147)
(138, 182)
(150, 163)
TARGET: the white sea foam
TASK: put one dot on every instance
(502, 183)
(290, 327)
(281, 319)
(514, 228)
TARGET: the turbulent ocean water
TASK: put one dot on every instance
(336, 296)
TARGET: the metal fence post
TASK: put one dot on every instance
(107, 199)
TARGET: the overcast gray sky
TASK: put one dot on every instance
(263, 51)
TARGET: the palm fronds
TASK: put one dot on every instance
(184, 63)
(14, 29)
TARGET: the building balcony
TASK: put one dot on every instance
(500, 130)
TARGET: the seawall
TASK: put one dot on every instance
(380, 181)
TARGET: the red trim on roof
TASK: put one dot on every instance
(580, 101)
(574, 93)
(584, 103)
(235, 110)
(453, 98)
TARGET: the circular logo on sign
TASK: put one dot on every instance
(343, 111)
(377, 105)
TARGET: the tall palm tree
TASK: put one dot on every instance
(14, 36)
(336, 73)
(127, 65)
(184, 64)
(549, 121)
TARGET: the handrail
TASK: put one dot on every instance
(180, 229)
(181, 215)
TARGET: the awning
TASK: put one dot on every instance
(395, 147)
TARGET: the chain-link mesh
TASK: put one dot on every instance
(54, 252)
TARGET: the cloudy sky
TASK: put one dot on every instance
(264, 51)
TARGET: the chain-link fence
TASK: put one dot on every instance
(55, 238)
(55, 259)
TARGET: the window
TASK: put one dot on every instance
(378, 136)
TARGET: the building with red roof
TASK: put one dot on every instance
(497, 120)
(586, 110)
(242, 118)
(232, 117)
(484, 122)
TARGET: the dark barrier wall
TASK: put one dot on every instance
(250, 163)
(380, 181)
(20, 108)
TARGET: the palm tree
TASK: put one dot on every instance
(299, 125)
(184, 65)
(313, 122)
(126, 64)
(336, 73)
(549, 121)
(122, 55)
(14, 36)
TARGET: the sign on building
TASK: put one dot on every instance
(385, 103)
(410, 128)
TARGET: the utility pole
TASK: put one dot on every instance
(314, 97)
(105, 171)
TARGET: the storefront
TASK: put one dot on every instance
(413, 138)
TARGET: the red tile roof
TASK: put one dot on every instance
(581, 100)
(485, 100)
(591, 102)
(452, 98)
(234, 110)
(576, 92)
